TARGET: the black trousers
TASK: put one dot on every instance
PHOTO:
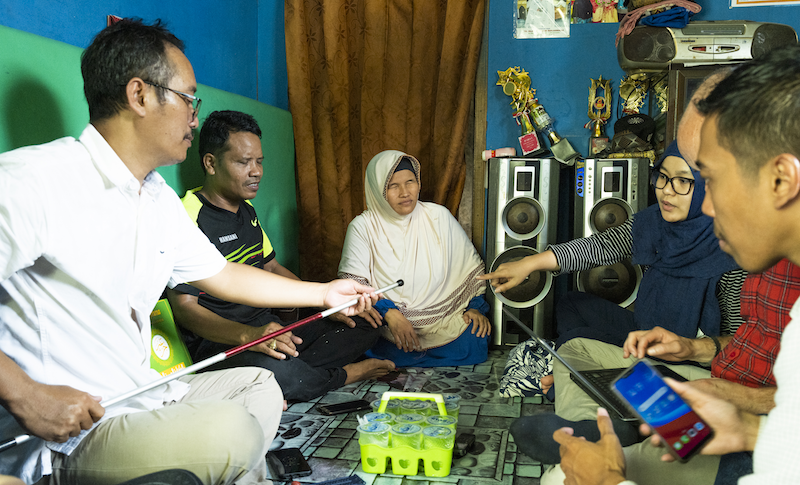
(585, 315)
(166, 477)
(327, 347)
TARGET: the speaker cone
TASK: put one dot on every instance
(617, 283)
(529, 292)
(523, 218)
(610, 212)
(649, 44)
(771, 36)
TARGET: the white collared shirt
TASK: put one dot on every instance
(84, 257)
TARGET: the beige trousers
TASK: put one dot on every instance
(221, 431)
(644, 465)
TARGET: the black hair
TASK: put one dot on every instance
(218, 127)
(120, 52)
(758, 108)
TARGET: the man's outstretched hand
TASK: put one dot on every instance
(339, 292)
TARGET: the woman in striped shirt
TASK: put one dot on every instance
(689, 286)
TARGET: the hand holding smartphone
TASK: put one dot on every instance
(680, 428)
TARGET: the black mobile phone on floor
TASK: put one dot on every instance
(343, 407)
(680, 428)
(288, 464)
(463, 444)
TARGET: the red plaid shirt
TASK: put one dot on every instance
(766, 300)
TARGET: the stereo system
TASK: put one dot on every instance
(699, 43)
(607, 193)
(521, 220)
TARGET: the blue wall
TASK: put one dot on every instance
(561, 69)
(273, 85)
(239, 46)
(235, 45)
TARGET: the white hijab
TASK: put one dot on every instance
(427, 249)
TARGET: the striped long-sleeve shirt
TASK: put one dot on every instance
(616, 244)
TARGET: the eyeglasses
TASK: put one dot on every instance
(681, 185)
(194, 101)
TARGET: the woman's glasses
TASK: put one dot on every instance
(681, 185)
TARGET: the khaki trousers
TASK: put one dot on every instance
(221, 431)
(644, 465)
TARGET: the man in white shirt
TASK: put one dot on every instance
(89, 236)
(750, 158)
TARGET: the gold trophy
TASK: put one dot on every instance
(599, 113)
(661, 88)
(532, 117)
(633, 91)
(517, 84)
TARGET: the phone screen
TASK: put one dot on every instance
(660, 407)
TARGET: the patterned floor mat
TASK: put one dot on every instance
(330, 443)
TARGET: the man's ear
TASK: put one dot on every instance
(136, 90)
(785, 179)
(209, 162)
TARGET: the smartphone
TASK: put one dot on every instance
(683, 431)
(288, 463)
(463, 444)
(343, 407)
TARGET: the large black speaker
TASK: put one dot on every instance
(607, 193)
(522, 203)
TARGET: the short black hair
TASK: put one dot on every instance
(218, 127)
(758, 108)
(120, 52)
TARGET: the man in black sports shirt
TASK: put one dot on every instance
(319, 356)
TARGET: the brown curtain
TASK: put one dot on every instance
(367, 76)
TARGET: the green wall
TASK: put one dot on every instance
(41, 99)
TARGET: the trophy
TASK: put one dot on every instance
(661, 88)
(517, 84)
(632, 91)
(599, 113)
(532, 117)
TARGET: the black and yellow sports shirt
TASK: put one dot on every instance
(240, 238)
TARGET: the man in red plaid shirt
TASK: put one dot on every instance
(749, 356)
(745, 360)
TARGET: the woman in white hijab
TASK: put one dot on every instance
(437, 317)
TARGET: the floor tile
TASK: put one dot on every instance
(504, 410)
(529, 471)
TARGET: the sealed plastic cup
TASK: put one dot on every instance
(407, 435)
(451, 397)
(374, 433)
(416, 406)
(446, 421)
(452, 409)
(387, 418)
(410, 418)
(392, 406)
(441, 437)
